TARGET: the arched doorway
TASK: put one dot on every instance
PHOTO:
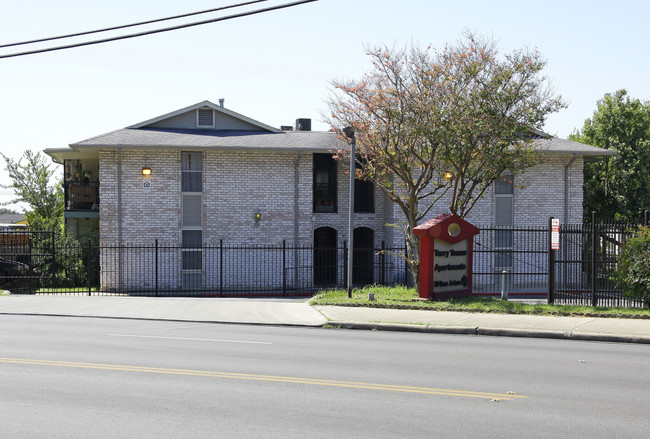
(325, 265)
(363, 242)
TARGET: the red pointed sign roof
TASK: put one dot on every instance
(448, 227)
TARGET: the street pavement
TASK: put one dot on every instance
(297, 312)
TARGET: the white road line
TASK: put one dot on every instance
(191, 339)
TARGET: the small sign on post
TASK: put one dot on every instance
(555, 233)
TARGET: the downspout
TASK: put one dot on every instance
(119, 216)
(566, 187)
(296, 198)
(296, 215)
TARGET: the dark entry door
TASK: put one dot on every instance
(325, 256)
(363, 256)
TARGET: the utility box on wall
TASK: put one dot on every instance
(446, 244)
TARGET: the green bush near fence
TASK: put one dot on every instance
(633, 268)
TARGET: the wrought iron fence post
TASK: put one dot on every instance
(284, 267)
(406, 264)
(382, 263)
(89, 266)
(221, 267)
(646, 221)
(551, 264)
(156, 268)
(594, 266)
(345, 262)
(51, 273)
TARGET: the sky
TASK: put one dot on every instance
(278, 66)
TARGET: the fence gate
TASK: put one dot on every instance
(586, 261)
(24, 258)
(512, 260)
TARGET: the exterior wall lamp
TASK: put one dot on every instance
(146, 172)
(257, 216)
(448, 175)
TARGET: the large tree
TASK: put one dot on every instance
(618, 186)
(463, 111)
(33, 185)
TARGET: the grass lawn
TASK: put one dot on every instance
(402, 298)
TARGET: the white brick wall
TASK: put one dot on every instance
(238, 184)
(339, 221)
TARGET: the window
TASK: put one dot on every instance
(192, 212)
(191, 172)
(324, 182)
(192, 238)
(504, 219)
(364, 195)
(192, 220)
(205, 118)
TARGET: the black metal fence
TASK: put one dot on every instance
(21, 252)
(585, 263)
(221, 270)
(512, 260)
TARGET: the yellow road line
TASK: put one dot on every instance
(283, 379)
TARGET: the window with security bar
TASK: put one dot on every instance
(504, 218)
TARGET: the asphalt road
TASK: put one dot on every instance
(79, 377)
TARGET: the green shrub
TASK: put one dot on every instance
(633, 270)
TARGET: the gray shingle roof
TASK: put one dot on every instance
(262, 140)
(214, 139)
(562, 146)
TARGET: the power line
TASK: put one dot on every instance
(78, 34)
(156, 31)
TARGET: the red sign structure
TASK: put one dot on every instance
(446, 244)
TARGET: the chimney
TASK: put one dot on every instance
(303, 124)
(221, 101)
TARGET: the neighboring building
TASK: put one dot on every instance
(12, 221)
(204, 175)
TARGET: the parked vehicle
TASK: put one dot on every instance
(13, 274)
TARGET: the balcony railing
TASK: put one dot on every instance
(80, 195)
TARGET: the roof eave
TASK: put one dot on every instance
(204, 148)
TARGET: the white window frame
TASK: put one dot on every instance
(510, 248)
(200, 273)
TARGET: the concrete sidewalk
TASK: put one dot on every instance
(268, 311)
(297, 312)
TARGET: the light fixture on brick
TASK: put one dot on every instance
(146, 172)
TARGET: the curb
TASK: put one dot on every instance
(160, 319)
(398, 327)
(404, 327)
(497, 332)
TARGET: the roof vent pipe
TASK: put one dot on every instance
(221, 101)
